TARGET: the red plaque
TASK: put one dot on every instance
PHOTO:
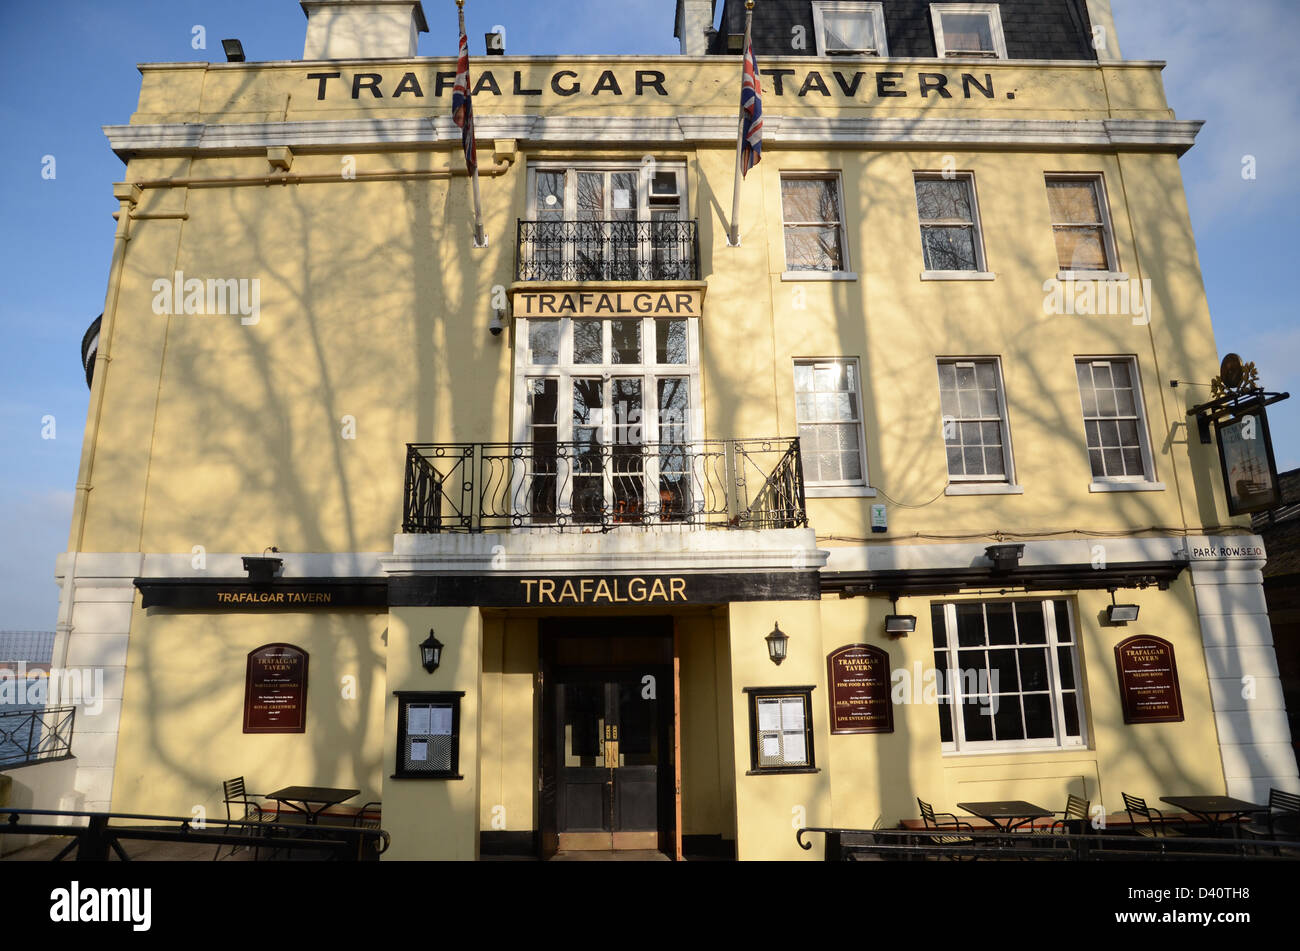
(1148, 680)
(275, 691)
(859, 695)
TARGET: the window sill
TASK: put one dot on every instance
(958, 276)
(839, 492)
(778, 771)
(1126, 487)
(1033, 750)
(819, 276)
(1091, 276)
(984, 488)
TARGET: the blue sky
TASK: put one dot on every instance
(68, 68)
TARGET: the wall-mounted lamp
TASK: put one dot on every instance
(900, 625)
(497, 323)
(234, 51)
(777, 643)
(431, 652)
(1004, 557)
(263, 568)
(1118, 615)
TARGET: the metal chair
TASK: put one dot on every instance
(241, 807)
(1280, 822)
(950, 821)
(368, 816)
(1155, 823)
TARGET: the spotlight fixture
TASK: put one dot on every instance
(900, 625)
(1117, 615)
(234, 51)
(1004, 557)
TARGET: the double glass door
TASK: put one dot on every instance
(608, 741)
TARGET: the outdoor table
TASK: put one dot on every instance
(1004, 814)
(1210, 808)
(324, 796)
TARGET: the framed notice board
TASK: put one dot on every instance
(275, 690)
(1148, 680)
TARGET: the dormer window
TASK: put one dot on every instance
(850, 29)
(968, 30)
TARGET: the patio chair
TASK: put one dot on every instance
(1280, 822)
(368, 816)
(1155, 824)
(941, 821)
(240, 807)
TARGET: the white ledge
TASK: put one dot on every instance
(984, 488)
(1127, 487)
(958, 276)
(839, 492)
(818, 276)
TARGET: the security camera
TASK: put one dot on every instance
(496, 326)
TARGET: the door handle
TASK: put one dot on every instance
(611, 754)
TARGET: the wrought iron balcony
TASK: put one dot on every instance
(659, 250)
(589, 486)
(32, 736)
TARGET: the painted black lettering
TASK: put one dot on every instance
(814, 81)
(967, 80)
(777, 78)
(321, 78)
(366, 81)
(848, 89)
(409, 84)
(487, 81)
(656, 83)
(443, 81)
(885, 86)
(937, 82)
(561, 90)
(607, 82)
(519, 86)
(684, 304)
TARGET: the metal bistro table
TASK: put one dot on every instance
(1215, 810)
(1004, 814)
(324, 796)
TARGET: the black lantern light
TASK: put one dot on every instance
(777, 642)
(431, 652)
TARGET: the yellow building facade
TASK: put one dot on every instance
(608, 459)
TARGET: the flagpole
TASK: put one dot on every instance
(480, 239)
(733, 238)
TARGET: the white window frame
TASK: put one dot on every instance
(1003, 420)
(876, 11)
(991, 10)
(959, 746)
(1119, 483)
(981, 271)
(565, 370)
(846, 267)
(1098, 180)
(832, 489)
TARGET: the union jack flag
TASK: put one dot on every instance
(462, 107)
(751, 106)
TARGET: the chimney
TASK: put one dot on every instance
(362, 29)
(694, 17)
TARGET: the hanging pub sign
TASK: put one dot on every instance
(1246, 455)
(1148, 680)
(859, 696)
(275, 690)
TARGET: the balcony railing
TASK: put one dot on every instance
(659, 250)
(32, 736)
(589, 486)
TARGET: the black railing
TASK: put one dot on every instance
(590, 486)
(658, 250)
(33, 736)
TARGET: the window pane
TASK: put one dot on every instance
(1007, 720)
(544, 342)
(949, 249)
(967, 32)
(670, 341)
(970, 625)
(591, 196)
(588, 347)
(1065, 661)
(1073, 202)
(1029, 622)
(978, 726)
(1038, 717)
(550, 195)
(1064, 634)
(813, 249)
(1001, 630)
(849, 31)
(942, 200)
(1033, 669)
(674, 405)
(938, 627)
(1070, 705)
(1081, 249)
(809, 200)
(625, 336)
(1003, 677)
